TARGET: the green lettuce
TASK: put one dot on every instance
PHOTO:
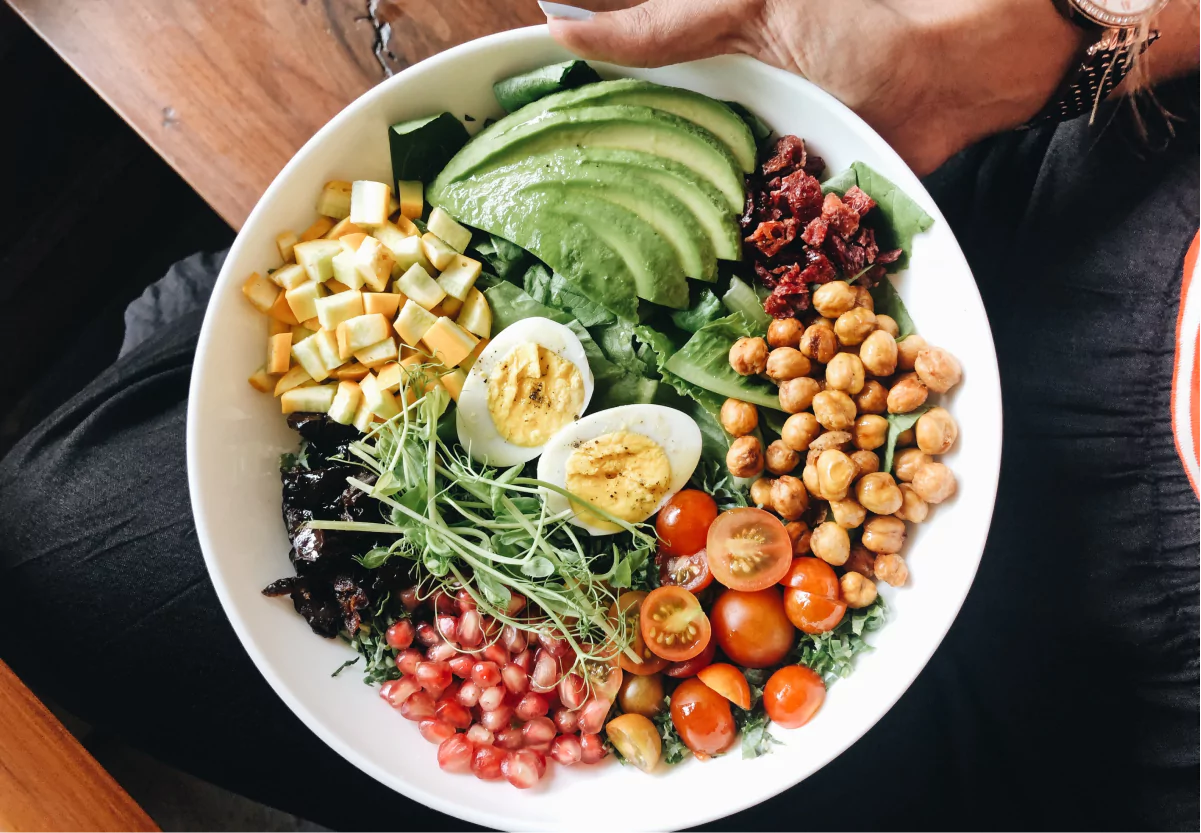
(704, 361)
(899, 219)
(554, 290)
(705, 310)
(741, 297)
(897, 425)
(887, 301)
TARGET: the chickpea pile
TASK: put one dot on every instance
(838, 376)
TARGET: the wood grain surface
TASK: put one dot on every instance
(47, 780)
(227, 90)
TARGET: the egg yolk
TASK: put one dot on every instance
(532, 393)
(624, 473)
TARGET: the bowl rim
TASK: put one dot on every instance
(988, 479)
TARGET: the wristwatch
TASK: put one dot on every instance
(1119, 29)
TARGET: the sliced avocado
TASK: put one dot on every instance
(621, 126)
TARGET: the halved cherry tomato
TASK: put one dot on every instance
(703, 719)
(673, 624)
(811, 598)
(727, 681)
(637, 739)
(692, 667)
(684, 521)
(603, 675)
(752, 628)
(793, 695)
(688, 571)
(748, 549)
(631, 605)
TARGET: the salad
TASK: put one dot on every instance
(610, 423)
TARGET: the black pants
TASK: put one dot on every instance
(1065, 696)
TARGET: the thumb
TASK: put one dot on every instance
(654, 33)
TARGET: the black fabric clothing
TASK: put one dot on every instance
(1065, 695)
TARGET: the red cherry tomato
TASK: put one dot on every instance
(688, 571)
(748, 549)
(812, 575)
(683, 522)
(630, 604)
(752, 628)
(702, 718)
(673, 624)
(793, 695)
(691, 667)
(811, 597)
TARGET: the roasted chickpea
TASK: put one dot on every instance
(739, 418)
(847, 513)
(936, 431)
(748, 356)
(907, 438)
(866, 462)
(789, 497)
(831, 543)
(879, 354)
(835, 473)
(888, 324)
(863, 298)
(871, 431)
(819, 343)
(884, 534)
(831, 439)
(799, 534)
(834, 298)
(854, 326)
(796, 395)
(786, 363)
(781, 459)
(861, 561)
(907, 350)
(845, 373)
(938, 369)
(906, 394)
(784, 332)
(873, 399)
(879, 493)
(857, 589)
(913, 508)
(934, 482)
(761, 492)
(891, 569)
(745, 457)
(834, 410)
(906, 463)
(800, 430)
(809, 478)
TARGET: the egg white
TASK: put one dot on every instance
(477, 431)
(674, 431)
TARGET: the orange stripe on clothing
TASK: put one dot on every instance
(1186, 371)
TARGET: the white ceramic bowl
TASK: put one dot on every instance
(235, 437)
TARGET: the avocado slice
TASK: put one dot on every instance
(619, 126)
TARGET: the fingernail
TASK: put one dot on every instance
(564, 11)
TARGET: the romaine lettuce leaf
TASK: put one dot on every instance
(554, 290)
(508, 260)
(741, 297)
(705, 361)
(705, 310)
(888, 302)
(897, 425)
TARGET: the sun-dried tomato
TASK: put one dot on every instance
(843, 219)
(773, 235)
(801, 194)
(789, 153)
(858, 200)
(815, 232)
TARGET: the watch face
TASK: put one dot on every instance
(1118, 12)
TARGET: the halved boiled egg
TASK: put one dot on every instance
(531, 381)
(627, 460)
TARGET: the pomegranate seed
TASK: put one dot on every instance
(485, 674)
(492, 698)
(448, 626)
(400, 635)
(477, 734)
(490, 627)
(419, 706)
(593, 748)
(539, 730)
(433, 675)
(410, 599)
(455, 753)
(516, 604)
(546, 673)
(524, 660)
(435, 731)
(497, 719)
(426, 634)
(460, 666)
(443, 602)
(592, 716)
(442, 652)
(521, 769)
(496, 653)
(469, 694)
(566, 749)
(530, 706)
(485, 763)
(558, 647)
(567, 721)
(510, 738)
(572, 691)
(514, 678)
(513, 639)
(470, 632)
(407, 661)
(453, 713)
(397, 691)
(464, 600)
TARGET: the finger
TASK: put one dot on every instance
(655, 33)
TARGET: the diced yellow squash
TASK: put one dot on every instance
(413, 323)
(335, 286)
(374, 263)
(311, 324)
(317, 229)
(437, 251)
(343, 228)
(261, 380)
(453, 382)
(279, 353)
(294, 378)
(458, 278)
(281, 311)
(344, 352)
(290, 276)
(365, 330)
(275, 327)
(449, 307)
(363, 418)
(409, 253)
(445, 227)
(390, 377)
(467, 363)
(303, 300)
(334, 199)
(284, 243)
(351, 242)
(316, 256)
(476, 315)
(327, 346)
(385, 303)
(391, 235)
(308, 355)
(411, 194)
(449, 343)
(419, 287)
(346, 402)
(316, 399)
(351, 372)
(345, 271)
(334, 309)
(300, 332)
(369, 202)
(379, 401)
(378, 354)
(260, 292)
